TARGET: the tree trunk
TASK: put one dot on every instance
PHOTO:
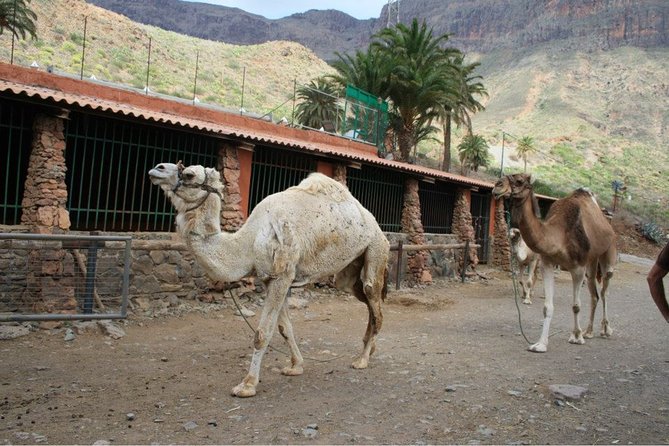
(405, 142)
(446, 165)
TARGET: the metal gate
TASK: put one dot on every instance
(63, 277)
(437, 202)
(381, 192)
(273, 171)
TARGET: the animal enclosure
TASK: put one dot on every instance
(49, 277)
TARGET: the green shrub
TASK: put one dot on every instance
(652, 232)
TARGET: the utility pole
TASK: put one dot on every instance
(393, 13)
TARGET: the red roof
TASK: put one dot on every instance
(34, 83)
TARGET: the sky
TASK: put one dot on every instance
(276, 9)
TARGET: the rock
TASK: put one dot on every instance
(514, 392)
(69, 335)
(485, 431)
(297, 303)
(130, 416)
(311, 431)
(110, 329)
(191, 425)
(13, 331)
(567, 392)
(245, 312)
(86, 327)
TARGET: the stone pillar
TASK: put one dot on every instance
(339, 173)
(462, 225)
(413, 227)
(50, 278)
(501, 251)
(232, 217)
(45, 196)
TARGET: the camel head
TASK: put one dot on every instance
(514, 235)
(166, 175)
(196, 183)
(513, 186)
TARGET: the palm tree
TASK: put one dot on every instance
(319, 104)
(364, 70)
(525, 148)
(461, 105)
(419, 71)
(18, 18)
(474, 153)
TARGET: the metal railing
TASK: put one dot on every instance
(63, 277)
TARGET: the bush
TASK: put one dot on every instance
(652, 232)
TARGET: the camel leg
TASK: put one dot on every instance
(531, 278)
(607, 268)
(286, 330)
(368, 289)
(524, 284)
(276, 295)
(549, 283)
(577, 276)
(594, 298)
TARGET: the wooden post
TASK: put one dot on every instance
(398, 272)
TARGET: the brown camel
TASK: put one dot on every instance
(575, 236)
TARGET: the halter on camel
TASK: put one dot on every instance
(204, 186)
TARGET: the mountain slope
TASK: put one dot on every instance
(323, 31)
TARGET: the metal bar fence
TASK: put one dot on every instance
(274, 171)
(16, 137)
(107, 180)
(437, 202)
(48, 277)
(381, 192)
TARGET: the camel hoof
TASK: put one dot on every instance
(538, 348)
(292, 371)
(243, 390)
(606, 332)
(588, 334)
(360, 363)
(527, 302)
(576, 339)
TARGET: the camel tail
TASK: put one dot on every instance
(599, 273)
(384, 290)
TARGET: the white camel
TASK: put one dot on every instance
(307, 232)
(527, 262)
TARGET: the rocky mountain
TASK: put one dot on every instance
(324, 31)
(474, 25)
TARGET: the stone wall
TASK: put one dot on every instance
(50, 272)
(462, 226)
(413, 227)
(501, 252)
(45, 196)
(232, 217)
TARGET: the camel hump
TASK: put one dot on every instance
(319, 184)
(584, 192)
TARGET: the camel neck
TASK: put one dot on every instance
(224, 256)
(523, 215)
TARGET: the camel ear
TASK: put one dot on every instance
(532, 178)
(180, 166)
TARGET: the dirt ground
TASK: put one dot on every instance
(451, 367)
